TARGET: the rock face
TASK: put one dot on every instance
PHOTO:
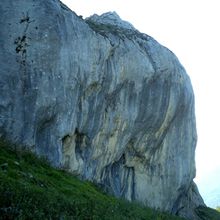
(100, 99)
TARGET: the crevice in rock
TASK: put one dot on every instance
(75, 149)
(118, 179)
(81, 141)
(67, 148)
(112, 98)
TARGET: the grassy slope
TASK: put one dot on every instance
(207, 213)
(31, 189)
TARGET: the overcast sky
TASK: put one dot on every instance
(190, 28)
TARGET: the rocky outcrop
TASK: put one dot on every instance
(100, 99)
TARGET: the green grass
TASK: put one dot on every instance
(206, 213)
(31, 189)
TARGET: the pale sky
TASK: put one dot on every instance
(190, 28)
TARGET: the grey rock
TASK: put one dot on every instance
(189, 199)
(99, 99)
(110, 18)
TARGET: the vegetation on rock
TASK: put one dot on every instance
(206, 213)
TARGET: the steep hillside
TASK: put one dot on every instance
(31, 189)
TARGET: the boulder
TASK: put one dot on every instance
(100, 99)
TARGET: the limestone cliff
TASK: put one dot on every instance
(100, 99)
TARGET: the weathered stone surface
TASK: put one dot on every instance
(99, 99)
(110, 18)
